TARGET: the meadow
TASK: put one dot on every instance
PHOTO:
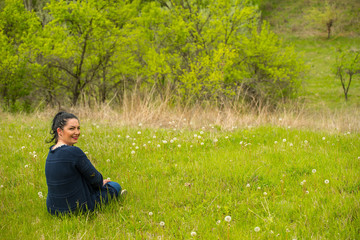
(274, 181)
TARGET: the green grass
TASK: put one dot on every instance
(187, 185)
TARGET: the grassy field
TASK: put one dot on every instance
(283, 182)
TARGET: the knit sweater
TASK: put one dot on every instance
(73, 182)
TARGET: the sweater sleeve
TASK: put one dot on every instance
(88, 171)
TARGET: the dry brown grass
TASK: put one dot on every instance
(157, 114)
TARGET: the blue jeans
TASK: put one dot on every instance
(108, 191)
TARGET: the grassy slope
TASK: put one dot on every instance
(158, 180)
(322, 87)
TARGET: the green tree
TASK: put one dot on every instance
(347, 67)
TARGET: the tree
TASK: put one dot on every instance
(347, 67)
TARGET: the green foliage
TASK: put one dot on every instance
(347, 67)
(194, 51)
(16, 25)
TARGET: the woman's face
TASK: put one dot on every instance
(70, 133)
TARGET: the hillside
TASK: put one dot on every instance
(297, 23)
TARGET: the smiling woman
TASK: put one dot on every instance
(73, 182)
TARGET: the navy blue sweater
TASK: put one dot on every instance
(73, 182)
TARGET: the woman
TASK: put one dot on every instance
(73, 182)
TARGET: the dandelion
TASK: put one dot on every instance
(199, 137)
(154, 136)
(215, 140)
(256, 229)
(326, 181)
(307, 192)
(202, 143)
(228, 219)
(158, 145)
(323, 138)
(139, 132)
(191, 146)
(247, 185)
(226, 137)
(241, 142)
(1, 186)
(201, 132)
(127, 136)
(193, 234)
(258, 188)
(218, 222)
(164, 141)
(291, 144)
(179, 145)
(287, 230)
(22, 147)
(171, 141)
(140, 124)
(133, 144)
(108, 160)
(132, 152)
(149, 142)
(108, 179)
(195, 135)
(306, 142)
(150, 214)
(280, 119)
(284, 140)
(162, 224)
(313, 171)
(265, 193)
(276, 142)
(136, 147)
(10, 136)
(29, 136)
(26, 166)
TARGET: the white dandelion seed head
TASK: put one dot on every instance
(258, 188)
(158, 145)
(154, 136)
(265, 193)
(313, 171)
(171, 141)
(193, 234)
(306, 142)
(256, 229)
(276, 142)
(133, 144)
(162, 224)
(127, 136)
(22, 147)
(139, 132)
(26, 166)
(241, 142)
(108, 178)
(284, 140)
(150, 213)
(227, 219)
(215, 140)
(218, 222)
(287, 230)
(179, 145)
(326, 181)
(164, 141)
(195, 135)
(140, 124)
(191, 146)
(201, 132)
(29, 136)
(307, 192)
(1, 186)
(132, 152)
(323, 138)
(202, 143)
(291, 144)
(248, 185)
(39, 193)
(108, 160)
(199, 137)
(136, 147)
(144, 145)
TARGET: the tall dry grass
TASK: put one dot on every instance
(159, 113)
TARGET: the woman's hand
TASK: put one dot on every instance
(105, 181)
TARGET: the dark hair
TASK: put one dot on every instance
(59, 121)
